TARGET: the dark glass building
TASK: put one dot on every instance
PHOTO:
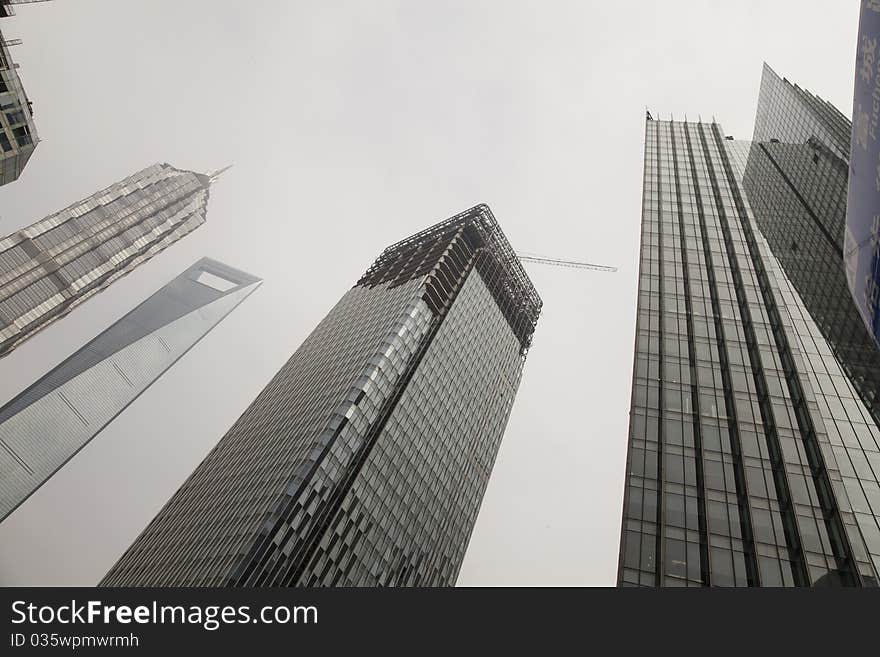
(796, 181)
(44, 426)
(364, 461)
(752, 459)
(53, 265)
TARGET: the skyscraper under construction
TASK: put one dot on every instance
(365, 460)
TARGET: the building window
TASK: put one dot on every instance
(15, 117)
(23, 136)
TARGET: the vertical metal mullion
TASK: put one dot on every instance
(780, 475)
(834, 523)
(660, 553)
(740, 481)
(705, 569)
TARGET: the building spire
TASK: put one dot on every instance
(216, 174)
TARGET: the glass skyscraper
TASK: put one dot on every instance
(796, 181)
(52, 266)
(365, 460)
(752, 458)
(44, 426)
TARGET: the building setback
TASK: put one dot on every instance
(50, 267)
(44, 426)
(365, 460)
(18, 134)
(752, 460)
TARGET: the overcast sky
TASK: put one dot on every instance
(351, 125)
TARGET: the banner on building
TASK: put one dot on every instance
(862, 240)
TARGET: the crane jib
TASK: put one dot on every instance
(524, 257)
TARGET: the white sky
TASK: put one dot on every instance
(351, 125)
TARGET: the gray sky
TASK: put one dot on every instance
(351, 125)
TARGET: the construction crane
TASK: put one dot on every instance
(556, 262)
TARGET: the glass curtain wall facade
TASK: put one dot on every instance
(50, 267)
(365, 460)
(18, 134)
(737, 474)
(796, 180)
(48, 423)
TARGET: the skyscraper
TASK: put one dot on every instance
(44, 426)
(365, 459)
(752, 461)
(52, 266)
(796, 181)
(18, 134)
